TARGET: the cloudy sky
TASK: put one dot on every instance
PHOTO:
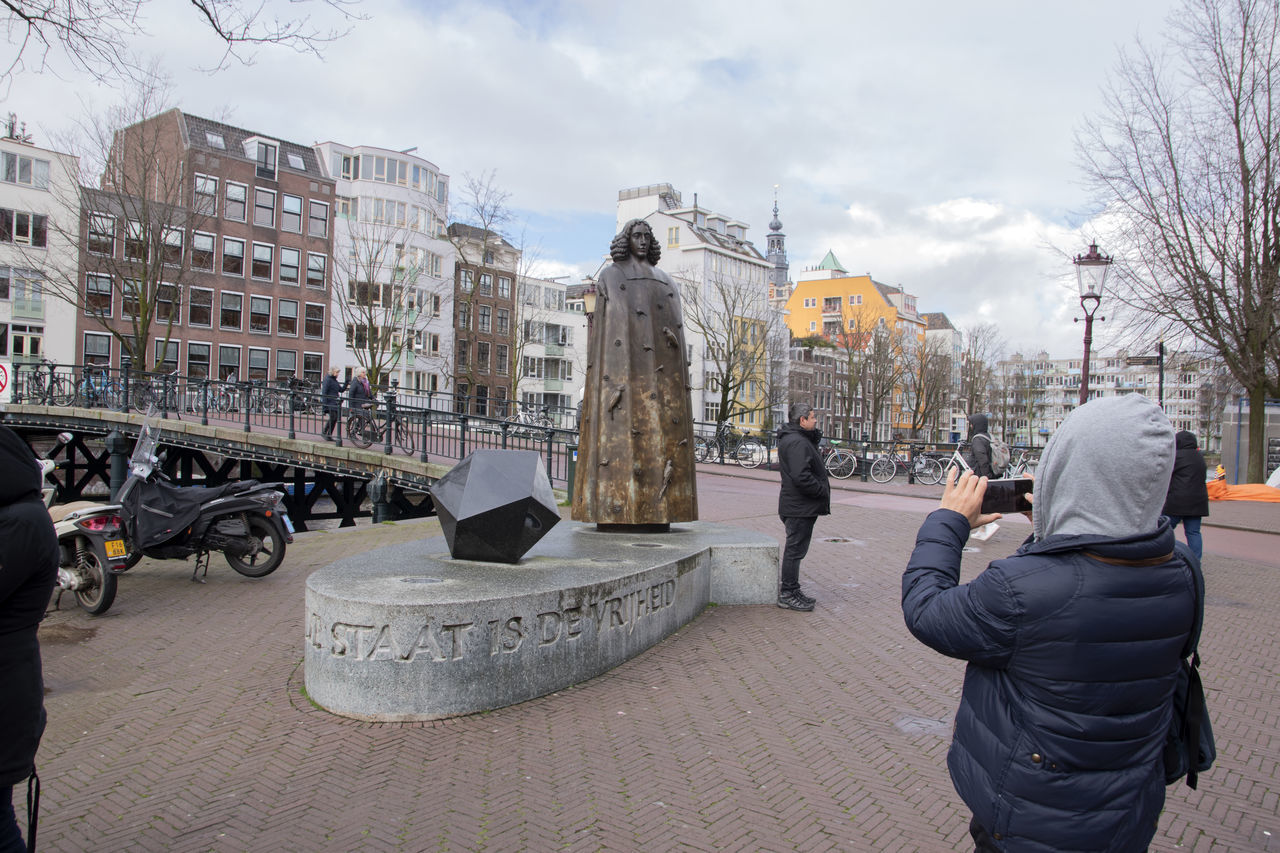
(928, 143)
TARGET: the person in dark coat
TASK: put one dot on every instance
(1188, 498)
(1073, 643)
(980, 446)
(331, 393)
(805, 495)
(28, 569)
(360, 393)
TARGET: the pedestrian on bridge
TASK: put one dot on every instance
(331, 393)
(805, 495)
(361, 393)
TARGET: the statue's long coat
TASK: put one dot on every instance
(635, 460)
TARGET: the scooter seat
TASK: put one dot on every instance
(61, 511)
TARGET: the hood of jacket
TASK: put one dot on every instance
(1105, 471)
(1186, 440)
(789, 428)
(977, 424)
(19, 470)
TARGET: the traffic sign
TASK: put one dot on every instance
(6, 376)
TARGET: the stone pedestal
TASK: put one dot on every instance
(409, 633)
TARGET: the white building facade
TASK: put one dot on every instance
(552, 349)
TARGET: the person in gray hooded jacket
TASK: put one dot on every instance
(1073, 643)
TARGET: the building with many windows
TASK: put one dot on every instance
(484, 319)
(392, 266)
(207, 249)
(551, 347)
(36, 246)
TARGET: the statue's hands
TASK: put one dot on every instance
(965, 497)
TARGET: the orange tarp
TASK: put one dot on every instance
(1219, 490)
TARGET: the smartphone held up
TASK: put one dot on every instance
(1006, 496)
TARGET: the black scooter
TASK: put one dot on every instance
(245, 520)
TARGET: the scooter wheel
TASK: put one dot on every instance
(100, 594)
(270, 554)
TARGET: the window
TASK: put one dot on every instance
(16, 169)
(811, 302)
(233, 205)
(97, 349)
(311, 364)
(129, 295)
(202, 251)
(215, 140)
(291, 213)
(135, 242)
(466, 280)
(232, 256)
(97, 295)
(259, 363)
(286, 363)
(486, 284)
(482, 356)
(830, 303)
(464, 350)
(855, 298)
(673, 236)
(27, 341)
(504, 321)
(102, 234)
(435, 305)
(197, 361)
(504, 287)
(295, 162)
(813, 325)
(313, 323)
(318, 219)
(501, 360)
(206, 195)
(166, 295)
(260, 314)
(231, 307)
(166, 356)
(464, 315)
(228, 363)
(348, 166)
(263, 257)
(287, 317)
(315, 270)
(484, 318)
(290, 260)
(264, 208)
(171, 247)
(266, 157)
(200, 307)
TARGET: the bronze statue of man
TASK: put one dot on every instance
(635, 457)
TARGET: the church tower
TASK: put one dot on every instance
(779, 286)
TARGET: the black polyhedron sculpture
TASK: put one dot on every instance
(495, 505)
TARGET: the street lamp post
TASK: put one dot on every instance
(1091, 275)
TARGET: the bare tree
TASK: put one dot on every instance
(926, 381)
(730, 313)
(134, 226)
(1185, 157)
(385, 295)
(982, 349)
(93, 35)
(852, 342)
(882, 367)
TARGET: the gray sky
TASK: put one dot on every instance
(928, 143)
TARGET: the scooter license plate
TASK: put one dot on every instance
(115, 548)
(288, 522)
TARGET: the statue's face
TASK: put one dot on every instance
(640, 240)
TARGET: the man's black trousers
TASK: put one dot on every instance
(799, 532)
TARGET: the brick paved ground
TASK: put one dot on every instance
(178, 721)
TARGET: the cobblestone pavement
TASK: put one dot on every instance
(178, 720)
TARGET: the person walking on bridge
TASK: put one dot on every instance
(331, 393)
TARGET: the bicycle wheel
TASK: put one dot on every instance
(64, 391)
(701, 449)
(361, 431)
(841, 464)
(404, 436)
(953, 466)
(883, 469)
(110, 396)
(929, 472)
(750, 453)
(515, 426)
(141, 398)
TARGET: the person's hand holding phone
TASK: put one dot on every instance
(965, 497)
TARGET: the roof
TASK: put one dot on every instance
(470, 232)
(198, 130)
(936, 320)
(830, 263)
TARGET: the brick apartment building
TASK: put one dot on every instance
(484, 319)
(229, 231)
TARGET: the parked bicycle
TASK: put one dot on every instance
(926, 469)
(840, 462)
(364, 428)
(957, 461)
(730, 445)
(158, 391)
(526, 423)
(44, 385)
(1024, 463)
(97, 390)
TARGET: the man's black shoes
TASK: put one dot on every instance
(795, 601)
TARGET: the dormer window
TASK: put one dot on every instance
(265, 154)
(295, 162)
(215, 140)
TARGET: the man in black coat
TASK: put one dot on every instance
(28, 568)
(980, 446)
(805, 495)
(1188, 499)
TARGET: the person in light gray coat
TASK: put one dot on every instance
(1073, 643)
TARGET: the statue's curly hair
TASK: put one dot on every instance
(620, 248)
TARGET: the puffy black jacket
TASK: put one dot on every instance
(28, 568)
(331, 390)
(1073, 646)
(1188, 494)
(980, 446)
(806, 490)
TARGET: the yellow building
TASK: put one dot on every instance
(846, 310)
